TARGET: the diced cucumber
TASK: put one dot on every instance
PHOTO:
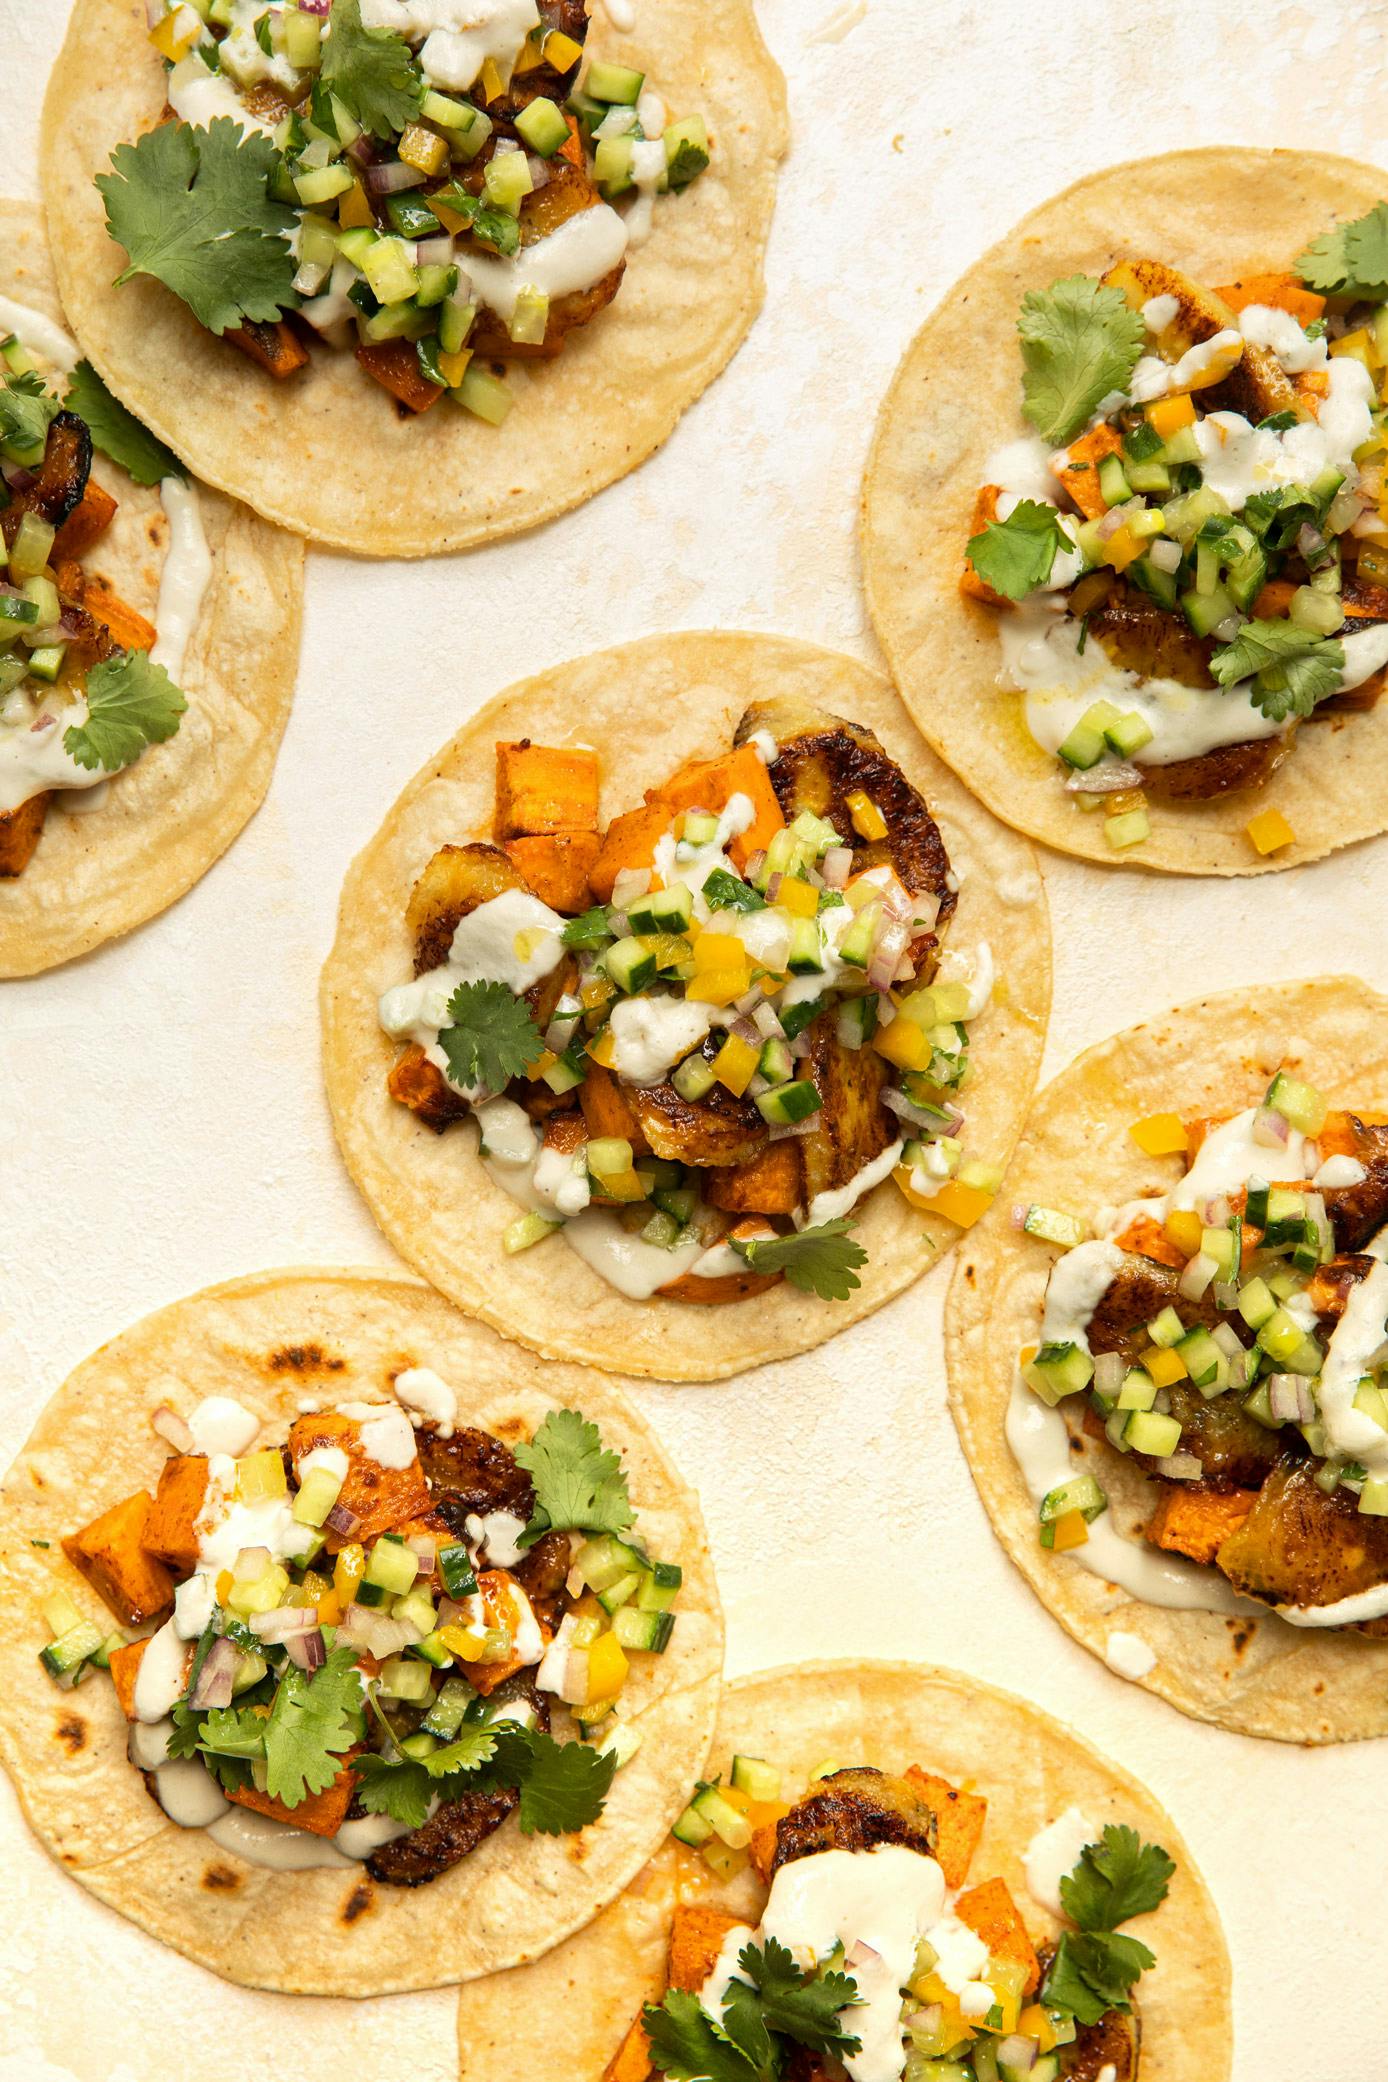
(1086, 743)
(434, 1650)
(63, 1658)
(693, 1078)
(612, 165)
(1257, 1303)
(645, 1630)
(660, 1586)
(728, 1823)
(616, 1594)
(416, 1609)
(1149, 1432)
(806, 957)
(1138, 1392)
(407, 1678)
(454, 1565)
(787, 1103)
(776, 1063)
(662, 911)
(507, 181)
(1204, 1361)
(445, 1716)
(758, 1780)
(1300, 1104)
(1129, 734)
(631, 964)
(102, 1656)
(316, 1495)
(1114, 487)
(686, 151)
(391, 1566)
(613, 83)
(1059, 1370)
(691, 1827)
(1205, 611)
(1167, 1329)
(855, 948)
(1081, 1494)
(1280, 1336)
(542, 126)
(436, 283)
(1053, 1225)
(602, 1561)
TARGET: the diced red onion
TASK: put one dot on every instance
(837, 866)
(1165, 555)
(627, 885)
(539, 172)
(423, 1549)
(1017, 2052)
(213, 1687)
(886, 1008)
(862, 1955)
(895, 902)
(1270, 1129)
(154, 13)
(435, 251)
(1108, 1374)
(1018, 1215)
(1290, 1398)
(319, 7)
(1180, 1467)
(1226, 1294)
(36, 639)
(393, 178)
(1110, 523)
(307, 1651)
(799, 1046)
(897, 1102)
(560, 1030)
(746, 1030)
(284, 1620)
(172, 1427)
(891, 945)
(1197, 1276)
(1163, 1402)
(773, 888)
(1104, 779)
(928, 2019)
(925, 910)
(573, 1689)
(343, 1522)
(310, 278)
(364, 1627)
(250, 1563)
(19, 480)
(766, 1022)
(755, 863)
(450, 1611)
(361, 151)
(1310, 541)
(747, 1004)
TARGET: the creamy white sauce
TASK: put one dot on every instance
(1238, 459)
(651, 1033)
(386, 1435)
(147, 1744)
(419, 1388)
(1128, 1655)
(332, 311)
(1356, 1337)
(1366, 650)
(1160, 311)
(199, 96)
(162, 1676)
(584, 249)
(1352, 1611)
(186, 575)
(41, 335)
(885, 1900)
(330, 1460)
(765, 747)
(359, 1839)
(1279, 333)
(497, 1534)
(617, 1255)
(33, 757)
(962, 1956)
(1024, 469)
(220, 1424)
(976, 971)
(827, 1207)
(1077, 1284)
(1340, 1171)
(225, 1526)
(648, 177)
(1154, 378)
(193, 1603)
(458, 35)
(260, 1840)
(188, 1793)
(622, 15)
(508, 1135)
(1229, 1157)
(1053, 1853)
(512, 939)
(560, 1177)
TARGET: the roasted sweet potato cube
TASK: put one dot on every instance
(762, 1850)
(542, 789)
(456, 880)
(171, 1531)
(991, 1912)
(415, 1082)
(322, 1814)
(632, 2061)
(556, 868)
(381, 1497)
(1080, 476)
(769, 1183)
(711, 784)
(959, 1819)
(607, 1110)
(274, 345)
(1281, 292)
(1197, 1522)
(87, 522)
(697, 1931)
(395, 366)
(20, 832)
(129, 630)
(629, 842)
(125, 1668)
(501, 1606)
(985, 511)
(111, 1554)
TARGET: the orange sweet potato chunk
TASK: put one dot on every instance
(125, 1668)
(1080, 476)
(322, 1814)
(990, 1911)
(496, 1588)
(1198, 1522)
(711, 784)
(985, 511)
(542, 789)
(88, 520)
(629, 842)
(1281, 292)
(632, 2060)
(959, 1819)
(697, 1932)
(381, 1497)
(556, 868)
(129, 630)
(111, 1554)
(171, 1532)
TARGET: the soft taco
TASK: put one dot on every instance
(1126, 534)
(380, 1656)
(407, 275)
(894, 1855)
(1178, 1423)
(149, 634)
(670, 938)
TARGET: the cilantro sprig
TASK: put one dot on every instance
(116, 432)
(490, 1037)
(302, 1738)
(26, 413)
(1080, 340)
(371, 71)
(822, 1260)
(1016, 555)
(1351, 260)
(131, 703)
(1291, 669)
(192, 208)
(578, 1482)
(774, 2000)
(1094, 1969)
(563, 1786)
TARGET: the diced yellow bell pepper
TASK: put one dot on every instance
(1185, 1229)
(1070, 1531)
(464, 1643)
(452, 367)
(493, 85)
(353, 209)
(1163, 1365)
(624, 1186)
(561, 51)
(1123, 548)
(963, 1205)
(868, 820)
(603, 1048)
(718, 986)
(350, 1568)
(1359, 344)
(1034, 2022)
(719, 951)
(1161, 1135)
(607, 1668)
(1168, 415)
(735, 1064)
(174, 36)
(260, 1477)
(224, 1583)
(903, 1043)
(801, 899)
(329, 1609)
(531, 55)
(423, 149)
(1269, 831)
(1217, 366)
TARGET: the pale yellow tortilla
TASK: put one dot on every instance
(648, 707)
(269, 1340)
(167, 818)
(1255, 1675)
(325, 451)
(567, 2016)
(1216, 214)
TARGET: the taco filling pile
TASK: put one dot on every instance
(694, 1040)
(425, 181)
(1190, 549)
(84, 684)
(1230, 1337)
(365, 1629)
(878, 1954)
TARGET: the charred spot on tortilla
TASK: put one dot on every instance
(221, 1879)
(357, 1903)
(305, 1359)
(72, 1733)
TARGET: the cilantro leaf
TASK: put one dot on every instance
(821, 1261)
(371, 71)
(232, 1731)
(491, 1037)
(1080, 340)
(116, 432)
(687, 2045)
(472, 1747)
(313, 1720)
(1093, 1972)
(803, 2007)
(183, 1741)
(1016, 555)
(1291, 669)
(1118, 1877)
(402, 1791)
(1351, 260)
(591, 930)
(26, 413)
(193, 209)
(563, 1785)
(579, 1484)
(131, 703)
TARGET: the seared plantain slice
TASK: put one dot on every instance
(456, 881)
(854, 1810)
(852, 1126)
(567, 192)
(1257, 386)
(1299, 1546)
(715, 1130)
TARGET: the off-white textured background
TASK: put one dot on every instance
(161, 1119)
